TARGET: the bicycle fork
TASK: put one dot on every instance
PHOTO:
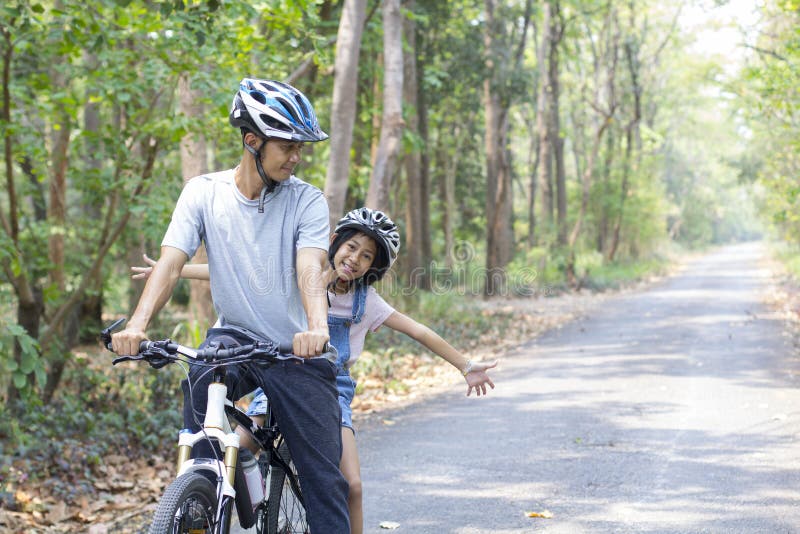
(215, 426)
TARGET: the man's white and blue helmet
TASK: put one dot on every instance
(272, 109)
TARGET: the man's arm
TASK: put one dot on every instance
(310, 268)
(157, 292)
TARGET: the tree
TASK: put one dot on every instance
(53, 260)
(194, 162)
(387, 153)
(343, 109)
(604, 49)
(417, 238)
(498, 94)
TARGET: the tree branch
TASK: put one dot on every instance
(110, 236)
(305, 67)
(765, 52)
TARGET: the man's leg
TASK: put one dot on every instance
(306, 407)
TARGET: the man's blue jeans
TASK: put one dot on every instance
(306, 407)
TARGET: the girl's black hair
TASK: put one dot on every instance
(379, 265)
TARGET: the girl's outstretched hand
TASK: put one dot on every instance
(477, 379)
(143, 273)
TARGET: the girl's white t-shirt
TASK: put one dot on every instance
(376, 312)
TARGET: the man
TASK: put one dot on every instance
(266, 235)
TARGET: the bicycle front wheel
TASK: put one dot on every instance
(286, 513)
(187, 506)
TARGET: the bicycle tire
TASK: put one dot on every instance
(188, 505)
(285, 511)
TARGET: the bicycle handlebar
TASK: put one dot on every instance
(162, 352)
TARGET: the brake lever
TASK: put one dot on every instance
(105, 334)
(120, 359)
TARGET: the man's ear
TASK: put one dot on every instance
(251, 139)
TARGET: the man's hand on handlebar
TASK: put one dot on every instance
(310, 343)
(126, 342)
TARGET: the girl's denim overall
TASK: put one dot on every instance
(339, 331)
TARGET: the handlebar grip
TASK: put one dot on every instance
(285, 348)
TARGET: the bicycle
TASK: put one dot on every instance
(201, 497)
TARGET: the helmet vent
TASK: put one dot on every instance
(301, 105)
(288, 108)
(272, 122)
(258, 96)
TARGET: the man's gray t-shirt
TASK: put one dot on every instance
(251, 255)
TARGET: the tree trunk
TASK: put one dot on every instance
(533, 169)
(499, 206)
(424, 175)
(632, 136)
(343, 108)
(555, 32)
(194, 162)
(623, 194)
(543, 106)
(498, 97)
(605, 216)
(447, 188)
(385, 164)
(66, 333)
(417, 265)
(605, 115)
(91, 320)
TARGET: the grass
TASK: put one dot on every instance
(789, 256)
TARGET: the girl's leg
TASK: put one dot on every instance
(351, 469)
(244, 436)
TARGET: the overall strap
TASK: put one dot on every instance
(359, 301)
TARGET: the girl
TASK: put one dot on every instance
(363, 248)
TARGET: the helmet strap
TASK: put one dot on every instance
(269, 183)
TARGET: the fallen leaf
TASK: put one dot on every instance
(117, 459)
(57, 512)
(546, 514)
(22, 497)
(83, 518)
(389, 525)
(121, 484)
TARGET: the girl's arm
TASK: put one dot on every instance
(474, 372)
(196, 271)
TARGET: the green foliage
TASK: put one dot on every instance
(769, 101)
(107, 73)
(789, 256)
(603, 276)
(27, 371)
(108, 411)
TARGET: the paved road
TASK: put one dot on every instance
(670, 410)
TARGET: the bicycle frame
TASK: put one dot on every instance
(197, 478)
